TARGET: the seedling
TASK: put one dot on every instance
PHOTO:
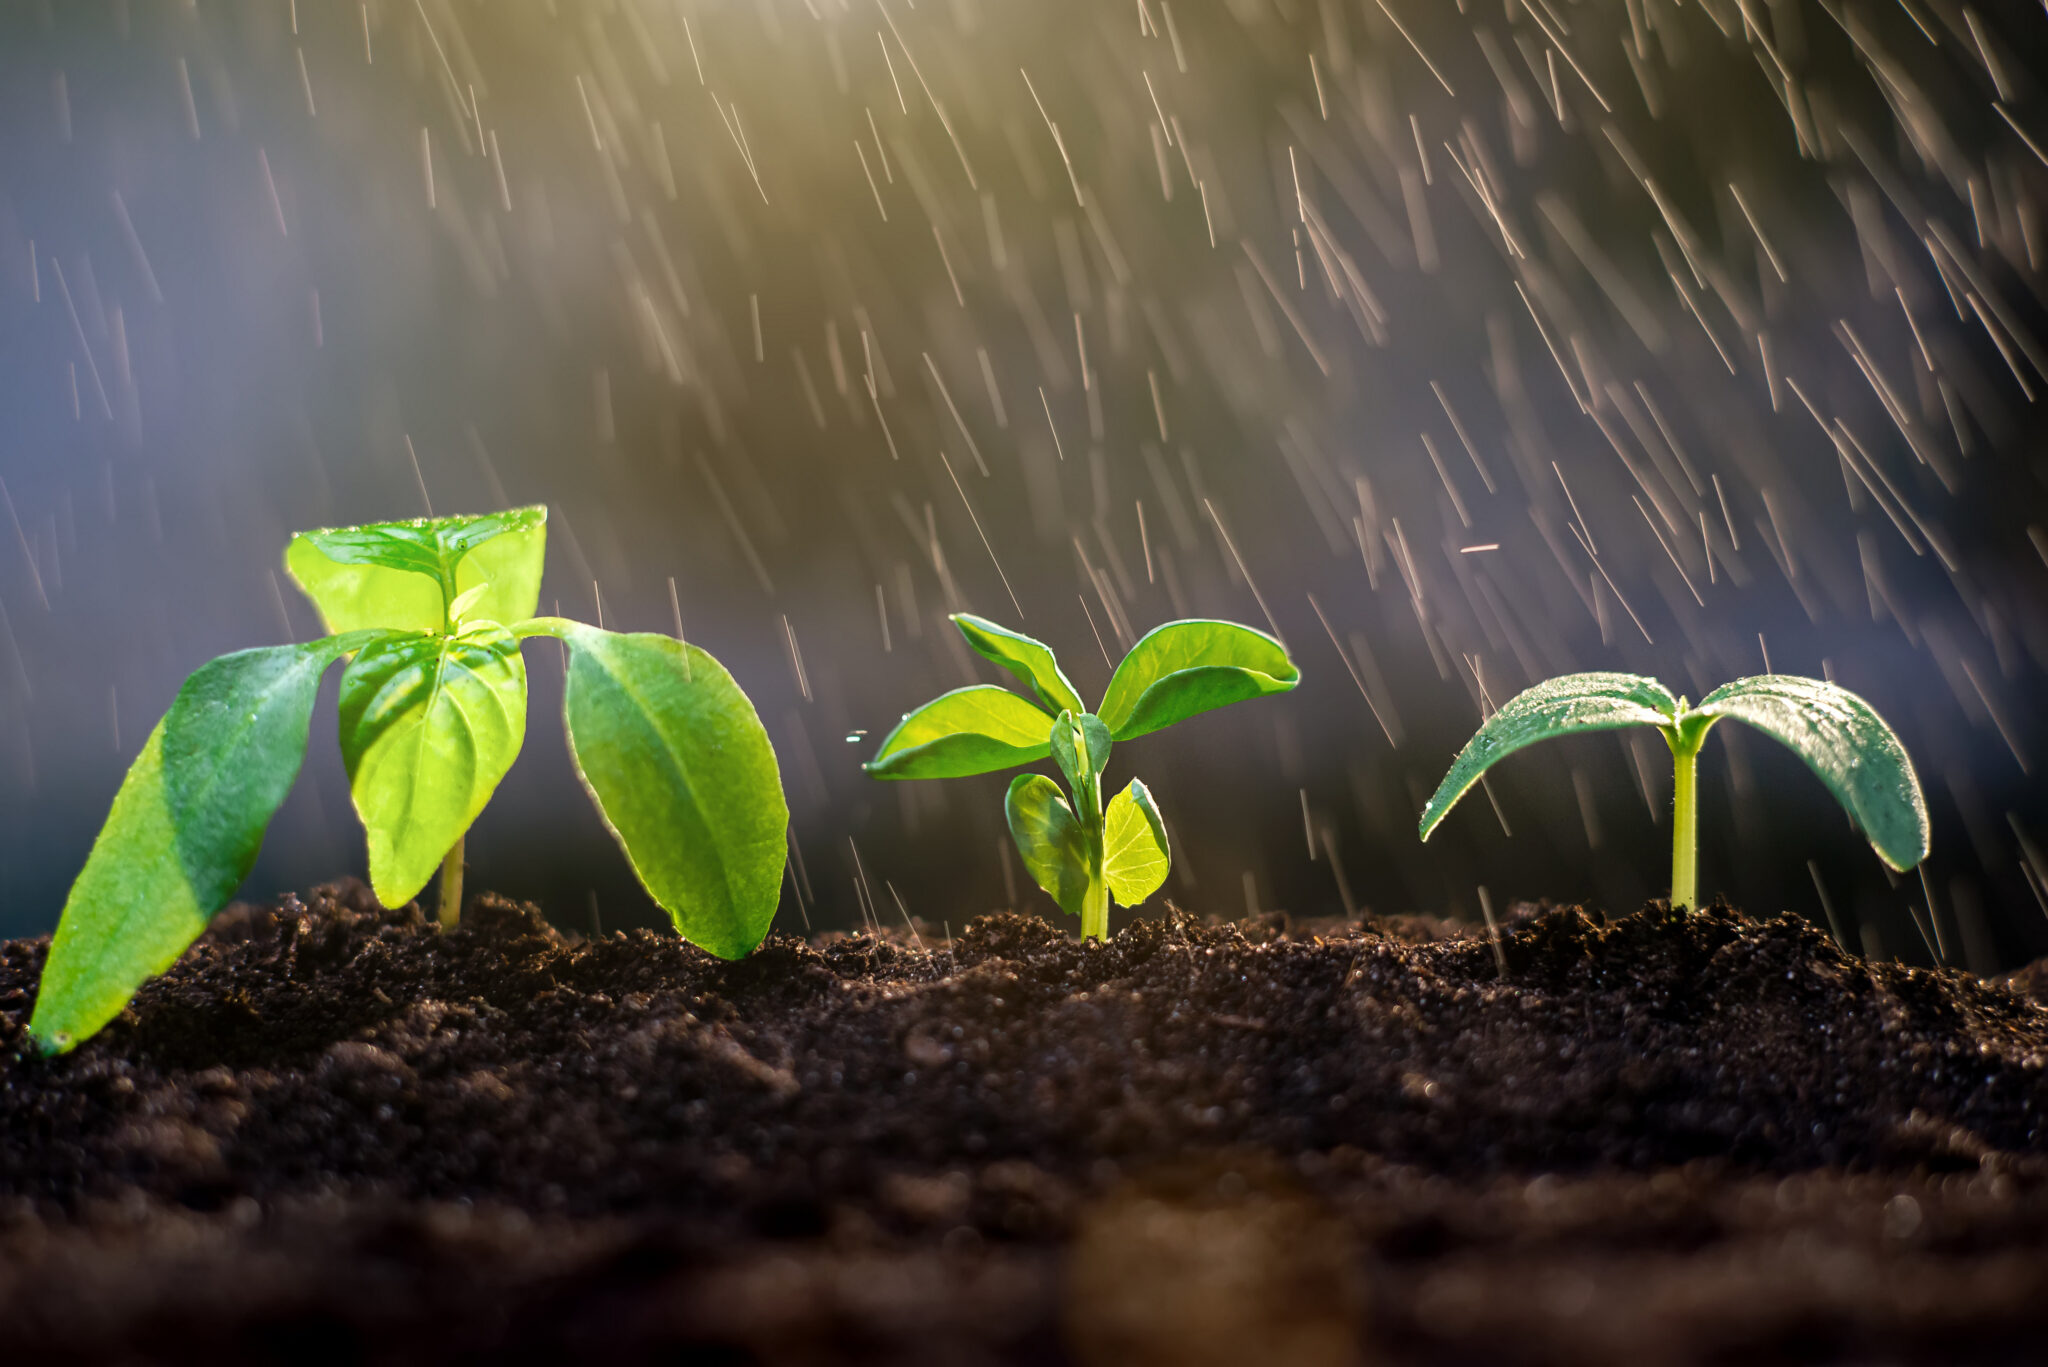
(1080, 851)
(433, 712)
(1840, 736)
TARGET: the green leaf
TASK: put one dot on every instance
(429, 724)
(975, 730)
(681, 769)
(232, 743)
(1030, 660)
(1555, 707)
(1080, 745)
(1187, 667)
(184, 830)
(1845, 742)
(1135, 858)
(1049, 838)
(406, 575)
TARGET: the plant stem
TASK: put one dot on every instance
(1095, 911)
(450, 909)
(1685, 851)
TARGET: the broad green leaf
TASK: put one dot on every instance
(1845, 742)
(1555, 707)
(429, 724)
(1135, 858)
(130, 914)
(1080, 745)
(232, 743)
(681, 769)
(1187, 667)
(406, 575)
(1049, 838)
(975, 730)
(1032, 661)
(184, 830)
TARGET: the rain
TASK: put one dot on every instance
(1457, 345)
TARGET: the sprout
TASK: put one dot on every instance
(1079, 850)
(1840, 736)
(429, 614)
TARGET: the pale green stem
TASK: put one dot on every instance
(449, 912)
(1685, 851)
(1095, 910)
(450, 909)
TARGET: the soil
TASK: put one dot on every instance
(334, 1134)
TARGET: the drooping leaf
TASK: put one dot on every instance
(975, 730)
(1135, 858)
(1030, 660)
(682, 771)
(1050, 840)
(429, 724)
(130, 914)
(1845, 742)
(184, 830)
(1183, 668)
(1080, 746)
(232, 743)
(405, 575)
(1555, 707)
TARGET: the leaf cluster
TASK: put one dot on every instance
(1077, 848)
(429, 614)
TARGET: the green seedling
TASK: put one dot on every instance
(1840, 736)
(1082, 851)
(429, 615)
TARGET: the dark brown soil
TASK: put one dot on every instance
(334, 1134)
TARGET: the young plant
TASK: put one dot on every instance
(1840, 736)
(1082, 851)
(433, 712)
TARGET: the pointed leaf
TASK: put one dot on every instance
(1135, 858)
(1050, 840)
(1030, 660)
(1845, 742)
(975, 730)
(429, 724)
(1080, 746)
(184, 830)
(681, 769)
(1183, 668)
(232, 743)
(403, 575)
(1555, 707)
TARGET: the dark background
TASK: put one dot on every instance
(262, 271)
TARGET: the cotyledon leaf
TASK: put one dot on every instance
(1844, 742)
(1556, 707)
(405, 575)
(429, 724)
(1054, 849)
(975, 730)
(682, 771)
(184, 830)
(1135, 858)
(1186, 667)
(1028, 659)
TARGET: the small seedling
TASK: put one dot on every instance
(1080, 851)
(433, 712)
(1840, 736)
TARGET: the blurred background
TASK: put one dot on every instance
(1461, 344)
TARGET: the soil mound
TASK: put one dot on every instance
(332, 1130)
